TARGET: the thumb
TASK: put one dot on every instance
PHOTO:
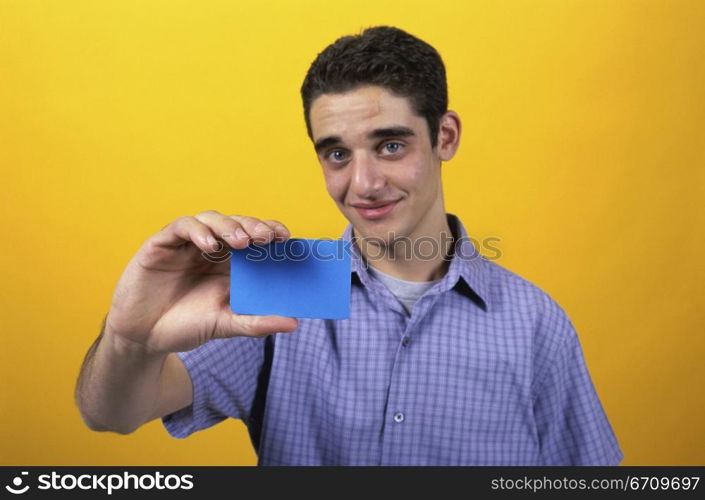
(231, 324)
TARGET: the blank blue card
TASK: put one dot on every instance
(300, 278)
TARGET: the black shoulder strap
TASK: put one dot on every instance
(254, 425)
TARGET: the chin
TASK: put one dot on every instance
(381, 230)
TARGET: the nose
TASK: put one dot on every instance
(368, 180)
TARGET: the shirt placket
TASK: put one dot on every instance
(396, 437)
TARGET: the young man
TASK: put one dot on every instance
(446, 359)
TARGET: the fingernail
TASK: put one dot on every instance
(239, 233)
(262, 228)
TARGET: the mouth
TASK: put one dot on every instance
(376, 211)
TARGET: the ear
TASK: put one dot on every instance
(448, 136)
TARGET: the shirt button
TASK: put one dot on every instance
(405, 341)
(398, 417)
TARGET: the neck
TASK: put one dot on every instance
(421, 256)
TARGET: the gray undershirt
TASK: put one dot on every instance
(406, 292)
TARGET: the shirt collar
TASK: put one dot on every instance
(468, 271)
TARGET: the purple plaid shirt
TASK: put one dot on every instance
(487, 370)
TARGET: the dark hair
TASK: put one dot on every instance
(384, 56)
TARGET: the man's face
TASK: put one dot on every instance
(378, 162)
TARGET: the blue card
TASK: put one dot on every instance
(300, 278)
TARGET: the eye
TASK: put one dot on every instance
(337, 155)
(392, 147)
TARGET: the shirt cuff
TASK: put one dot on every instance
(196, 416)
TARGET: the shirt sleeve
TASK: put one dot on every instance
(573, 428)
(224, 375)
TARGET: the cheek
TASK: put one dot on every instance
(336, 185)
(418, 177)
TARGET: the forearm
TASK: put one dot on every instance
(118, 387)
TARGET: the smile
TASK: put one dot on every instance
(377, 212)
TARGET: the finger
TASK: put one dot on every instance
(259, 231)
(281, 231)
(226, 228)
(184, 230)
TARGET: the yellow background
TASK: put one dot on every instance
(583, 149)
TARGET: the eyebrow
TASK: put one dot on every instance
(379, 133)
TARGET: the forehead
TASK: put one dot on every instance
(356, 112)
